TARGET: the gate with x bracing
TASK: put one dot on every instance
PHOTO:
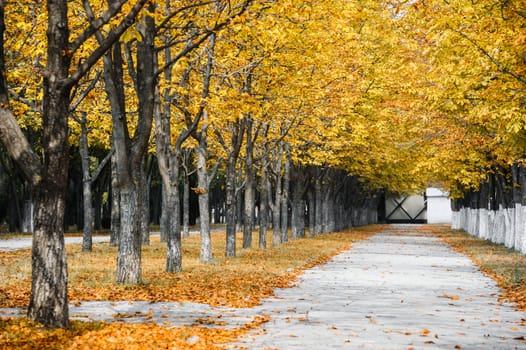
(406, 209)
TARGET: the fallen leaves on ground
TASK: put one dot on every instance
(23, 334)
(236, 282)
(506, 266)
(449, 296)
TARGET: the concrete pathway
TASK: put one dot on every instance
(396, 290)
(26, 242)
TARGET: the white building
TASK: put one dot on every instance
(438, 206)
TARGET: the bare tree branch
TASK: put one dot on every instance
(86, 92)
(96, 24)
(110, 39)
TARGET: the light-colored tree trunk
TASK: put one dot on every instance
(186, 153)
(87, 231)
(28, 215)
(249, 189)
(203, 197)
(87, 182)
(275, 204)
(115, 228)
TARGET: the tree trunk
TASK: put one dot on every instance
(239, 202)
(276, 204)
(318, 226)
(248, 212)
(203, 197)
(174, 254)
(164, 224)
(203, 178)
(285, 195)
(187, 152)
(115, 226)
(298, 210)
(48, 302)
(129, 257)
(230, 208)
(130, 155)
(145, 201)
(311, 212)
(28, 215)
(263, 208)
(237, 132)
(186, 205)
(87, 230)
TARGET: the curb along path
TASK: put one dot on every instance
(396, 290)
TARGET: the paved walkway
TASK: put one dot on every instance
(26, 242)
(396, 290)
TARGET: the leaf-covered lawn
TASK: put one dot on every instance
(238, 282)
(23, 334)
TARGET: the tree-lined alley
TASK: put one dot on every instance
(270, 115)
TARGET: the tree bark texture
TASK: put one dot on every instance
(48, 302)
(249, 193)
(115, 225)
(285, 194)
(495, 211)
(263, 208)
(129, 256)
(203, 197)
(87, 231)
(231, 208)
(186, 206)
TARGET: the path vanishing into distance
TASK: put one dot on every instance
(399, 289)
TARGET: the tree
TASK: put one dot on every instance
(48, 301)
(87, 181)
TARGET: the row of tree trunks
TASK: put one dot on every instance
(497, 209)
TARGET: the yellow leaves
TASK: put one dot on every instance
(22, 334)
(451, 297)
(425, 332)
(131, 34)
(198, 190)
(239, 282)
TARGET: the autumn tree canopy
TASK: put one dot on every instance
(396, 93)
(289, 97)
